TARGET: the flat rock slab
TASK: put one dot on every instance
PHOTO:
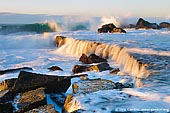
(43, 109)
(29, 81)
(31, 99)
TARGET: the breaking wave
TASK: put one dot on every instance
(119, 54)
(35, 27)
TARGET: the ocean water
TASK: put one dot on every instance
(24, 46)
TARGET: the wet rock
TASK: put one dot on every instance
(114, 71)
(118, 30)
(14, 70)
(60, 40)
(83, 68)
(6, 84)
(58, 98)
(6, 108)
(106, 28)
(31, 99)
(55, 68)
(131, 26)
(110, 28)
(71, 104)
(143, 24)
(92, 58)
(43, 109)
(164, 25)
(29, 81)
(6, 95)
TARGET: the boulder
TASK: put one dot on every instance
(6, 108)
(14, 70)
(164, 25)
(92, 58)
(55, 68)
(29, 81)
(6, 84)
(143, 24)
(31, 99)
(131, 26)
(43, 109)
(110, 28)
(83, 68)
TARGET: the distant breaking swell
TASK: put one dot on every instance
(119, 54)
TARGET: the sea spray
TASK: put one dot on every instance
(116, 53)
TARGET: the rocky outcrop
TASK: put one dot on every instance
(29, 81)
(14, 70)
(110, 28)
(31, 99)
(164, 25)
(143, 24)
(83, 68)
(55, 68)
(92, 58)
(6, 108)
(7, 84)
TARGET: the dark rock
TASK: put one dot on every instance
(84, 59)
(29, 81)
(110, 28)
(83, 68)
(117, 30)
(6, 96)
(60, 40)
(6, 84)
(114, 71)
(43, 109)
(6, 108)
(143, 24)
(55, 68)
(31, 99)
(131, 26)
(58, 98)
(92, 58)
(14, 70)
(164, 25)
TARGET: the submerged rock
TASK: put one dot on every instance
(114, 71)
(55, 68)
(6, 108)
(6, 84)
(143, 24)
(31, 99)
(29, 81)
(93, 85)
(14, 70)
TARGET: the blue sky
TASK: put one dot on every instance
(145, 8)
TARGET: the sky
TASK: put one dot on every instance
(145, 8)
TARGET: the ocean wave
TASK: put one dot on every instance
(35, 27)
